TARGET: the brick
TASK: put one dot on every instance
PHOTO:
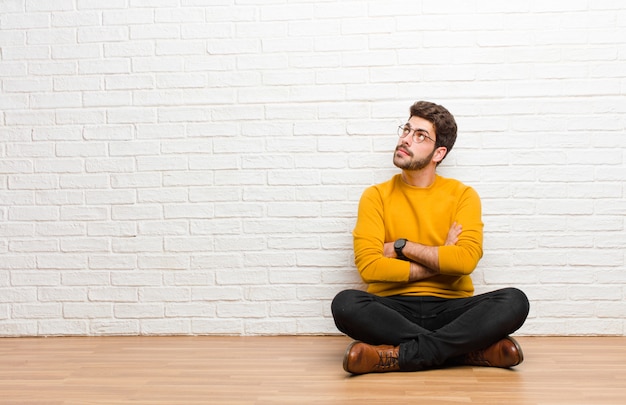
(139, 279)
(133, 148)
(84, 116)
(233, 46)
(154, 31)
(216, 226)
(87, 311)
(13, 101)
(91, 245)
(71, 18)
(17, 230)
(169, 294)
(137, 245)
(51, 36)
(106, 66)
(325, 326)
(136, 180)
(76, 51)
(62, 328)
(111, 294)
(128, 17)
(36, 311)
(112, 229)
(33, 213)
(112, 262)
(119, 165)
(161, 262)
(181, 47)
(193, 114)
(24, 20)
(16, 166)
(62, 261)
(138, 311)
(193, 310)
(33, 245)
(188, 244)
(268, 194)
(83, 213)
(117, 327)
(190, 278)
(216, 29)
(241, 310)
(59, 166)
(340, 10)
(26, 53)
(217, 326)
(170, 195)
(30, 278)
(127, 82)
(263, 327)
(200, 211)
(217, 294)
(129, 49)
(60, 229)
(165, 327)
(29, 118)
(162, 163)
(62, 294)
(131, 116)
(296, 309)
(17, 328)
(102, 34)
(80, 278)
(163, 227)
(136, 212)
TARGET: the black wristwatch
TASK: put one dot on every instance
(398, 246)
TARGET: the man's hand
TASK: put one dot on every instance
(453, 234)
(451, 239)
(424, 268)
(389, 251)
(418, 272)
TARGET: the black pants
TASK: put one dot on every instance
(430, 331)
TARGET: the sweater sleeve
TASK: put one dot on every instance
(369, 239)
(462, 258)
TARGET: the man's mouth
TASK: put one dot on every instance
(403, 150)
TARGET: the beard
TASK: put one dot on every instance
(412, 164)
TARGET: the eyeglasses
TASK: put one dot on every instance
(419, 135)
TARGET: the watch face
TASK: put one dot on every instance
(399, 244)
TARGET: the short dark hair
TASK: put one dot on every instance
(442, 120)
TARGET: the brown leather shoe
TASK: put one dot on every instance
(361, 358)
(505, 353)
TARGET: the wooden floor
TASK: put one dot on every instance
(294, 370)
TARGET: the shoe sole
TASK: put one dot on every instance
(346, 356)
(519, 350)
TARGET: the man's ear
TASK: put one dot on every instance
(440, 153)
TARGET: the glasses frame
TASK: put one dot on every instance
(418, 136)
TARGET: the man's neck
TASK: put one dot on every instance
(419, 178)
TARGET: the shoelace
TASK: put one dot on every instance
(387, 359)
(476, 358)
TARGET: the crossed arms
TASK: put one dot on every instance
(424, 260)
(383, 217)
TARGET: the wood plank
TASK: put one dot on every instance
(289, 370)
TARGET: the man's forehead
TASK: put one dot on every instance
(420, 123)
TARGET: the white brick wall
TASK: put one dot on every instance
(193, 167)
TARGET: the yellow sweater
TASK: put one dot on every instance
(393, 210)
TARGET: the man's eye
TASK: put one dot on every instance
(421, 137)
